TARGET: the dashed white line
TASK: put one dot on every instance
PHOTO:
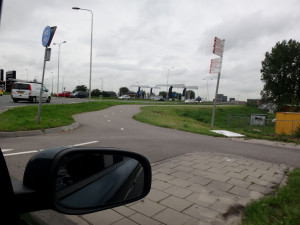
(21, 153)
(122, 129)
(6, 150)
(108, 120)
(86, 143)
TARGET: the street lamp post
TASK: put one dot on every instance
(101, 84)
(58, 64)
(90, 81)
(168, 79)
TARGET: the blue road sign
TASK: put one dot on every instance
(46, 36)
(140, 93)
(175, 94)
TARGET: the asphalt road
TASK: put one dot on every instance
(7, 102)
(114, 127)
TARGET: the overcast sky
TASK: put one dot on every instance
(135, 39)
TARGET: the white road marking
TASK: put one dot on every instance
(86, 143)
(108, 120)
(122, 129)
(6, 150)
(21, 153)
(105, 116)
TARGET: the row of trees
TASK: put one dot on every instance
(280, 74)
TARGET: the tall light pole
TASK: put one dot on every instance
(58, 64)
(168, 79)
(90, 82)
(27, 73)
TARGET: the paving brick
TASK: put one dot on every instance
(254, 180)
(108, 217)
(216, 170)
(238, 182)
(180, 182)
(178, 191)
(182, 175)
(252, 173)
(165, 170)
(201, 166)
(201, 212)
(185, 163)
(143, 220)
(260, 189)
(157, 195)
(214, 176)
(125, 221)
(184, 168)
(200, 180)
(160, 185)
(163, 177)
(202, 199)
(220, 185)
(176, 203)
(147, 207)
(272, 179)
(239, 176)
(220, 206)
(240, 191)
(172, 217)
(169, 165)
(265, 172)
(256, 195)
(124, 211)
(199, 189)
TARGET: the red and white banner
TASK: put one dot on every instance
(218, 47)
(215, 65)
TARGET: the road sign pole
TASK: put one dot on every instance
(41, 91)
(215, 104)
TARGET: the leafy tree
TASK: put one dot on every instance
(163, 94)
(123, 91)
(280, 74)
(190, 94)
(96, 92)
(81, 88)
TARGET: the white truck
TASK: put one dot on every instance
(29, 91)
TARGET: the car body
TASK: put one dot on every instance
(65, 94)
(159, 98)
(1, 92)
(29, 91)
(79, 94)
(124, 97)
(191, 101)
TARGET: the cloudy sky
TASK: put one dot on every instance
(135, 39)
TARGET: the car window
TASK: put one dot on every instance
(21, 86)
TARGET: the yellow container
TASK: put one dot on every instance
(287, 123)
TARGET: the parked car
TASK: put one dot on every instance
(79, 94)
(191, 101)
(1, 92)
(29, 91)
(159, 98)
(65, 94)
(124, 97)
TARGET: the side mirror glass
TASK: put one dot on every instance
(97, 180)
(85, 180)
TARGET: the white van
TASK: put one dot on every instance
(29, 91)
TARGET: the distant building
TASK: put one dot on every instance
(221, 98)
(133, 94)
(231, 99)
(224, 99)
(254, 102)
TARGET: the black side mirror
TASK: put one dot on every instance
(85, 180)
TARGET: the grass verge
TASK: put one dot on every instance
(278, 209)
(198, 119)
(24, 118)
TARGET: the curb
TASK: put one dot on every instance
(39, 132)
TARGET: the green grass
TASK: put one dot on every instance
(280, 208)
(24, 118)
(198, 119)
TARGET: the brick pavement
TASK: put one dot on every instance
(195, 189)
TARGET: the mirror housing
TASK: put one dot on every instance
(86, 180)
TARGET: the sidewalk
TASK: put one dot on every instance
(197, 188)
